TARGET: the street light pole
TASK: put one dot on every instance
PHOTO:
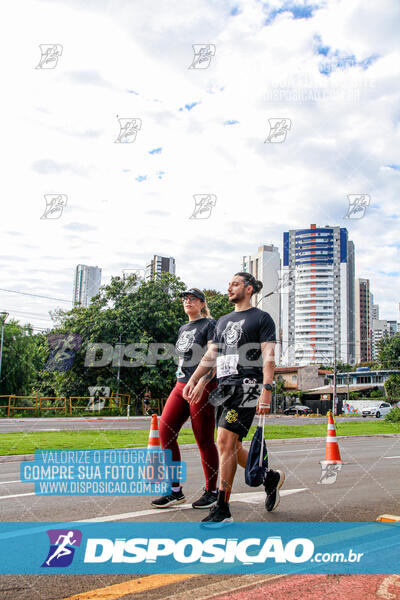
(334, 379)
(118, 372)
(3, 317)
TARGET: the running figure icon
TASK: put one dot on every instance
(62, 550)
(63, 543)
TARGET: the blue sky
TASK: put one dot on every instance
(330, 67)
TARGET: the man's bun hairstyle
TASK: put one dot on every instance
(249, 279)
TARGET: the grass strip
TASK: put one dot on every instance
(27, 443)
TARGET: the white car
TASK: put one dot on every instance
(382, 408)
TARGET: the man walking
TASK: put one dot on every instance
(243, 349)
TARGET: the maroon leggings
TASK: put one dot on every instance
(176, 411)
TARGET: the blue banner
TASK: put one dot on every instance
(236, 548)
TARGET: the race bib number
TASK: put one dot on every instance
(227, 365)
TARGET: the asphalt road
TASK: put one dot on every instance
(367, 486)
(112, 423)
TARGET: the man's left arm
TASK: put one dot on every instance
(268, 354)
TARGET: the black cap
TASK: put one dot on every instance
(195, 293)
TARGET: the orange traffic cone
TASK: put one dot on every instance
(154, 439)
(332, 454)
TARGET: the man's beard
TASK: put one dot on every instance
(236, 299)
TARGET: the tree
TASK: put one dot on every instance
(344, 367)
(218, 303)
(389, 351)
(372, 364)
(280, 387)
(122, 313)
(377, 393)
(392, 386)
(21, 359)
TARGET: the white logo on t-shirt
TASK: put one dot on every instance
(232, 332)
(185, 341)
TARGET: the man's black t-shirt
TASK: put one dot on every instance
(238, 336)
(192, 345)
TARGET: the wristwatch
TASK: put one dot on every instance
(267, 386)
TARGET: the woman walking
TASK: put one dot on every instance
(193, 339)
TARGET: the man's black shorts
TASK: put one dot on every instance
(237, 413)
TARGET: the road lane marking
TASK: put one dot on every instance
(250, 498)
(391, 457)
(133, 586)
(14, 481)
(298, 451)
(19, 495)
(384, 592)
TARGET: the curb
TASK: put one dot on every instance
(21, 457)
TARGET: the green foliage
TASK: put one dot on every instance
(392, 385)
(377, 393)
(372, 364)
(389, 351)
(22, 357)
(125, 312)
(280, 386)
(393, 416)
(344, 367)
(218, 303)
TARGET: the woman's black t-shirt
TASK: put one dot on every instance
(192, 345)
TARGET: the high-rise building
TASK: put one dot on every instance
(375, 311)
(363, 312)
(265, 265)
(379, 329)
(86, 284)
(160, 264)
(318, 298)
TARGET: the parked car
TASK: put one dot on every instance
(298, 409)
(382, 408)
